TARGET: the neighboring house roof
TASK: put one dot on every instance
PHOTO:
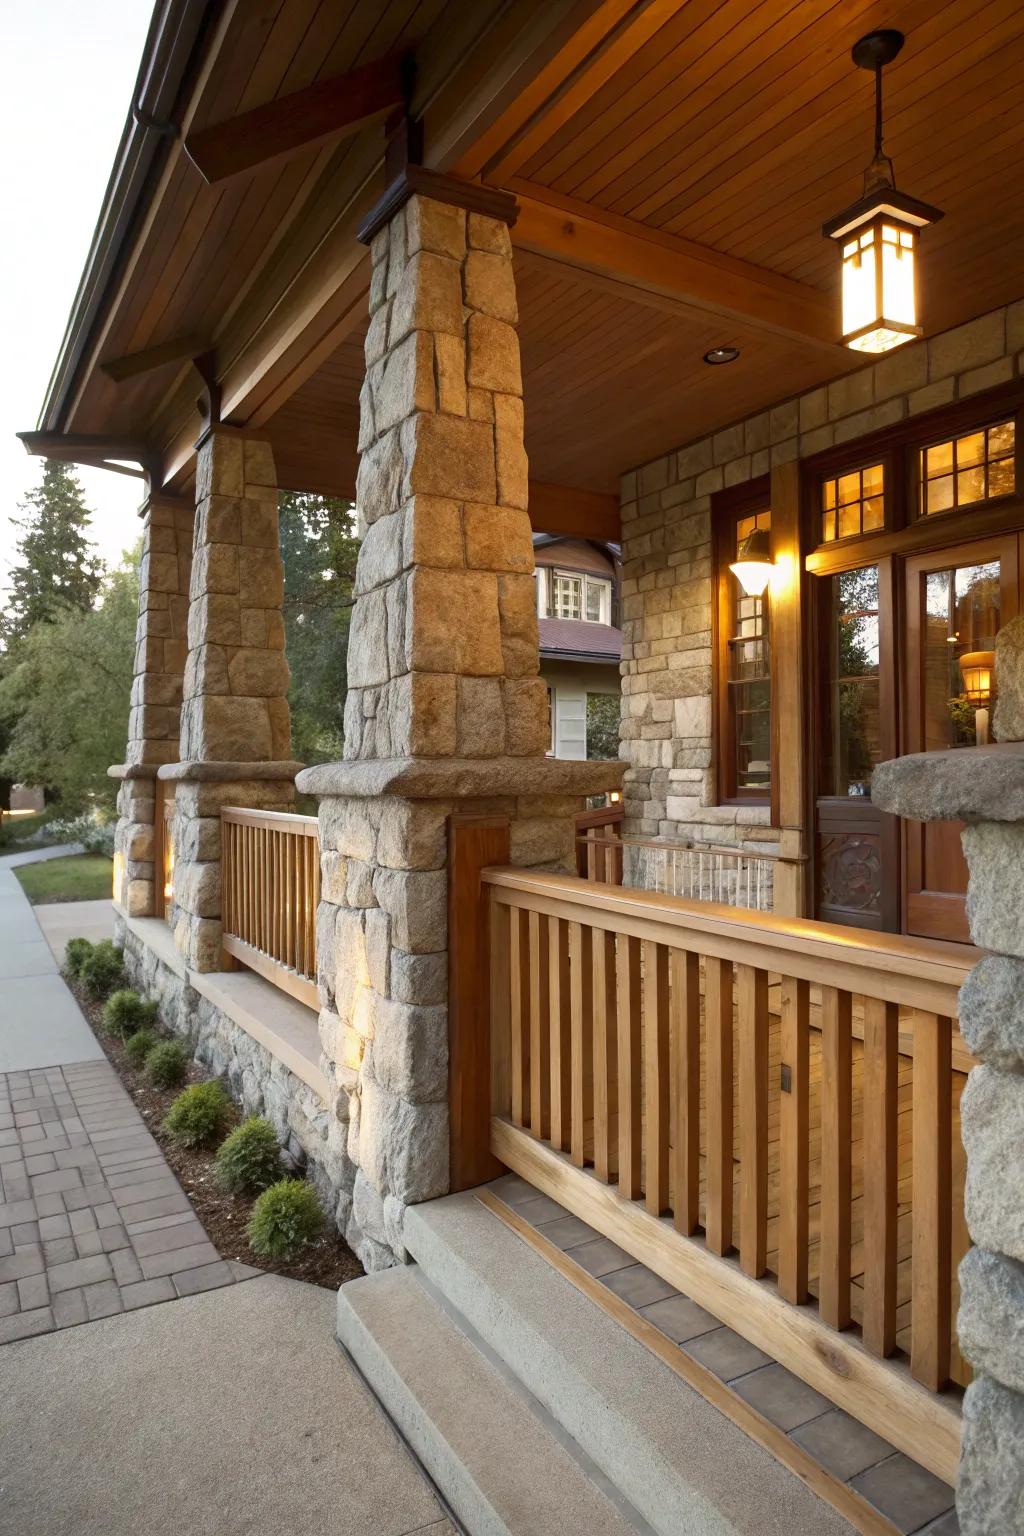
(564, 638)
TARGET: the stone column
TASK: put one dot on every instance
(445, 711)
(153, 724)
(985, 789)
(235, 725)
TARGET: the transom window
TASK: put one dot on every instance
(575, 596)
(978, 466)
(748, 681)
(853, 503)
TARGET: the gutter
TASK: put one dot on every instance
(177, 31)
(587, 656)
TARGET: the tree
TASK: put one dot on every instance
(65, 692)
(57, 568)
(319, 546)
(603, 710)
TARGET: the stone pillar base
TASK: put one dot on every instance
(135, 874)
(201, 792)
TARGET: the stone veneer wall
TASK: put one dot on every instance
(667, 561)
(312, 1134)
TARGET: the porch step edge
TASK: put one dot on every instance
(501, 1469)
(671, 1454)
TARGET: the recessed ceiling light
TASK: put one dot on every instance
(718, 355)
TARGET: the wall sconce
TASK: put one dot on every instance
(976, 669)
(753, 564)
(878, 234)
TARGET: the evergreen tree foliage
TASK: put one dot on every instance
(57, 569)
(319, 546)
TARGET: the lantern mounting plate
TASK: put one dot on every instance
(877, 49)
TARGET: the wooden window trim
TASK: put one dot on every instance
(727, 508)
(961, 516)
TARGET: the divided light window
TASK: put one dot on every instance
(977, 466)
(748, 680)
(853, 503)
(580, 597)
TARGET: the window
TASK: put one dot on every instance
(580, 597)
(748, 681)
(566, 596)
(856, 736)
(853, 503)
(978, 466)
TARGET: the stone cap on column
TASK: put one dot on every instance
(133, 771)
(968, 784)
(198, 772)
(447, 778)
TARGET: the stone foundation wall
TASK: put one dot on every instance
(667, 562)
(313, 1135)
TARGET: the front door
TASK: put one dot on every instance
(956, 602)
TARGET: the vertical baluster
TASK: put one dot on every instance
(581, 995)
(310, 866)
(657, 1077)
(881, 1147)
(540, 1027)
(500, 942)
(314, 899)
(836, 1155)
(629, 1073)
(752, 996)
(794, 1127)
(603, 947)
(719, 1057)
(519, 1010)
(225, 875)
(685, 1038)
(243, 860)
(275, 892)
(931, 1268)
(559, 1011)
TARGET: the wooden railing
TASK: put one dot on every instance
(598, 853)
(270, 887)
(735, 877)
(737, 1100)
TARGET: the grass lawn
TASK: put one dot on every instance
(82, 877)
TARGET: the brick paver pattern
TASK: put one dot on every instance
(93, 1221)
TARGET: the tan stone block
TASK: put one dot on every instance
(197, 839)
(481, 717)
(161, 572)
(527, 716)
(162, 540)
(220, 466)
(206, 671)
(453, 622)
(901, 371)
(259, 524)
(368, 641)
(498, 538)
(480, 404)
(968, 346)
(280, 717)
(931, 396)
(417, 903)
(214, 569)
(220, 728)
(423, 711)
(493, 355)
(434, 226)
(201, 943)
(413, 834)
(487, 234)
(517, 601)
(157, 688)
(197, 887)
(855, 392)
(212, 619)
(258, 673)
(432, 532)
(396, 604)
(448, 456)
(253, 626)
(333, 877)
(988, 377)
(511, 463)
(208, 798)
(275, 628)
(137, 897)
(542, 842)
(403, 381)
(428, 297)
(261, 579)
(489, 285)
(379, 478)
(157, 621)
(258, 465)
(450, 365)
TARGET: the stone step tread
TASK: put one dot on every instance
(671, 1454)
(502, 1470)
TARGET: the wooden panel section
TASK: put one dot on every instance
(718, 982)
(540, 1027)
(581, 994)
(657, 1111)
(560, 1014)
(685, 1031)
(752, 1034)
(881, 1173)
(263, 927)
(605, 1055)
(794, 1128)
(930, 1342)
(519, 1016)
(630, 1067)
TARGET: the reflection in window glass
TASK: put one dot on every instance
(855, 697)
(567, 596)
(978, 466)
(961, 613)
(749, 684)
(853, 503)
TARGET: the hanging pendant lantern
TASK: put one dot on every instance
(878, 234)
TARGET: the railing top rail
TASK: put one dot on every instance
(589, 840)
(920, 973)
(603, 816)
(283, 821)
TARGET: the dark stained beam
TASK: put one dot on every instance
(577, 514)
(118, 369)
(93, 449)
(328, 109)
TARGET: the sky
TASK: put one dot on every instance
(70, 67)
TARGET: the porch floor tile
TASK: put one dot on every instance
(639, 1286)
(904, 1492)
(842, 1444)
(781, 1397)
(726, 1353)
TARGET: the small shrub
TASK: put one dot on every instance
(250, 1159)
(138, 1046)
(285, 1217)
(198, 1115)
(125, 1011)
(101, 971)
(76, 954)
(167, 1064)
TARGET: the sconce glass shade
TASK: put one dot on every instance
(753, 564)
(976, 669)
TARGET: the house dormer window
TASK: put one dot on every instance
(578, 596)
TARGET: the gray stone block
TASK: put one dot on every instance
(992, 1123)
(990, 1325)
(990, 1489)
(992, 1011)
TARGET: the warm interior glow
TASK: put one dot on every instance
(976, 668)
(879, 314)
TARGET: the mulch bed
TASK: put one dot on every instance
(327, 1261)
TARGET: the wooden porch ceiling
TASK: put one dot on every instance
(675, 160)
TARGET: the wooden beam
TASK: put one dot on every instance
(578, 514)
(118, 369)
(329, 109)
(86, 447)
(650, 261)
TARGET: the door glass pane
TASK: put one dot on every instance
(855, 698)
(961, 614)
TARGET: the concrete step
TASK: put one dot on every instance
(501, 1465)
(676, 1460)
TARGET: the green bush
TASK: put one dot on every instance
(250, 1159)
(101, 971)
(198, 1115)
(167, 1064)
(285, 1217)
(125, 1011)
(76, 953)
(138, 1046)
